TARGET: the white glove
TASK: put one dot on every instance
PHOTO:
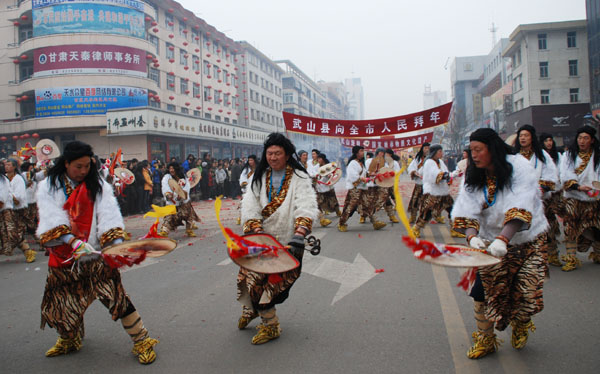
(497, 248)
(476, 243)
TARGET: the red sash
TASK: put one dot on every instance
(80, 209)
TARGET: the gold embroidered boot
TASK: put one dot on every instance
(190, 233)
(325, 222)
(553, 259)
(440, 219)
(361, 220)
(394, 219)
(266, 333)
(247, 316)
(64, 346)
(378, 225)
(416, 230)
(29, 256)
(412, 219)
(571, 262)
(144, 350)
(342, 228)
(520, 333)
(483, 345)
(143, 345)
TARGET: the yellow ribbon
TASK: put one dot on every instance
(400, 205)
(230, 243)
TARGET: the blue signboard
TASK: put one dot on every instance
(88, 18)
(87, 100)
(128, 3)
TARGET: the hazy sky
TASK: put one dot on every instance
(396, 47)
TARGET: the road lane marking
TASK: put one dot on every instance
(458, 338)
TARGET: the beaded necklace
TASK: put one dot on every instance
(271, 184)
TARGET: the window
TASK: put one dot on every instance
(183, 86)
(196, 113)
(544, 69)
(170, 82)
(26, 70)
(170, 51)
(182, 31)
(572, 68)
(218, 118)
(517, 58)
(217, 96)
(183, 57)
(169, 22)
(154, 74)
(206, 94)
(196, 37)
(154, 104)
(171, 107)
(206, 67)
(196, 90)
(574, 95)
(571, 39)
(185, 110)
(207, 115)
(517, 83)
(25, 32)
(545, 96)
(542, 42)
(216, 74)
(196, 63)
(154, 40)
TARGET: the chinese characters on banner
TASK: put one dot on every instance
(88, 18)
(77, 101)
(128, 3)
(89, 58)
(390, 142)
(363, 129)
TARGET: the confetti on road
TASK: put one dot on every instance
(379, 270)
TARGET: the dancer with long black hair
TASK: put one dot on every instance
(415, 170)
(282, 202)
(79, 212)
(182, 200)
(580, 166)
(500, 202)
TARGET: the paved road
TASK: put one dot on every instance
(342, 316)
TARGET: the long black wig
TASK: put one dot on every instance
(276, 138)
(476, 178)
(535, 144)
(573, 148)
(73, 151)
(553, 152)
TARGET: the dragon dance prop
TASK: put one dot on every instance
(448, 255)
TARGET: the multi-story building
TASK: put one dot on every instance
(337, 105)
(550, 77)
(495, 87)
(262, 97)
(146, 76)
(356, 98)
(301, 95)
(593, 32)
(432, 99)
(465, 74)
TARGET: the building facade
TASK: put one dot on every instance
(465, 75)
(262, 98)
(356, 98)
(146, 76)
(592, 8)
(550, 77)
(432, 99)
(337, 105)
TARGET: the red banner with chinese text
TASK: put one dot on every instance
(370, 128)
(389, 142)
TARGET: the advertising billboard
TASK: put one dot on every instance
(75, 18)
(89, 59)
(87, 100)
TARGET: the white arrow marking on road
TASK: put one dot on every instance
(350, 276)
(226, 261)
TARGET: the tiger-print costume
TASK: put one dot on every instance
(432, 206)
(550, 209)
(31, 218)
(185, 213)
(255, 289)
(514, 287)
(327, 201)
(356, 198)
(578, 217)
(415, 200)
(9, 237)
(69, 293)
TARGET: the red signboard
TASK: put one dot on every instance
(89, 59)
(389, 142)
(363, 129)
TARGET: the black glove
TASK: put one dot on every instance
(297, 245)
(446, 176)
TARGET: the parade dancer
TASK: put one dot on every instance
(379, 195)
(500, 202)
(181, 199)
(32, 177)
(553, 206)
(357, 195)
(18, 195)
(436, 192)
(245, 178)
(326, 198)
(280, 201)
(415, 170)
(547, 174)
(78, 212)
(579, 168)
